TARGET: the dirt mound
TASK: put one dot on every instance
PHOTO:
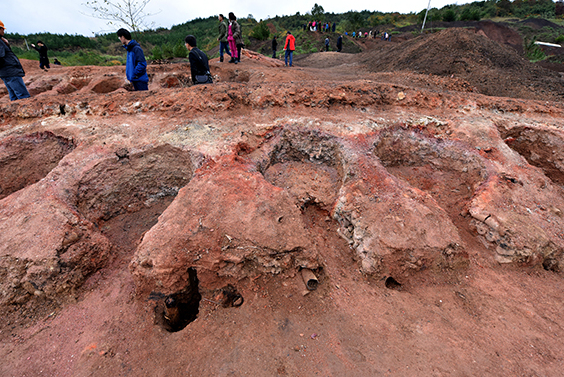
(501, 34)
(539, 23)
(492, 68)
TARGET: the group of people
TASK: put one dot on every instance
(230, 38)
(136, 64)
(12, 72)
(230, 43)
(385, 36)
(320, 26)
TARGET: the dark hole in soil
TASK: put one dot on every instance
(231, 297)
(181, 308)
(551, 264)
(392, 283)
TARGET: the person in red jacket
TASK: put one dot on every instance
(289, 47)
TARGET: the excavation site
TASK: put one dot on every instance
(396, 212)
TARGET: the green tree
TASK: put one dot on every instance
(180, 51)
(449, 15)
(157, 53)
(317, 12)
(261, 31)
(167, 51)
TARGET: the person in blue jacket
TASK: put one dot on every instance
(136, 65)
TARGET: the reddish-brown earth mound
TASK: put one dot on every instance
(172, 232)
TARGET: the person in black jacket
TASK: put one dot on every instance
(43, 58)
(199, 67)
(11, 70)
(274, 47)
(339, 43)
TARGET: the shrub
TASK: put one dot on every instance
(157, 53)
(180, 51)
(449, 15)
(533, 52)
(261, 31)
(167, 52)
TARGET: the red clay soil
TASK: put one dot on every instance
(167, 232)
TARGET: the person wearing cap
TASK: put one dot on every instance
(11, 70)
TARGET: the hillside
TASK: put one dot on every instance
(397, 211)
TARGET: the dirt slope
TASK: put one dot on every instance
(166, 233)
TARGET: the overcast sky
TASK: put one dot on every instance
(68, 16)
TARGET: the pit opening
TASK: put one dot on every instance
(441, 168)
(126, 193)
(309, 165)
(551, 264)
(25, 160)
(541, 148)
(231, 297)
(180, 309)
(392, 283)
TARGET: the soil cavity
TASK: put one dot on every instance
(125, 194)
(308, 166)
(541, 148)
(24, 160)
(441, 168)
(181, 308)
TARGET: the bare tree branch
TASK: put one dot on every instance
(130, 13)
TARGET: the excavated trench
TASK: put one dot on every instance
(540, 147)
(447, 171)
(125, 194)
(25, 160)
(310, 167)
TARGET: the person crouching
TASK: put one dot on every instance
(199, 67)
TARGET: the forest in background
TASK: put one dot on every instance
(162, 43)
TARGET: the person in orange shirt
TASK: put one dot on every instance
(289, 47)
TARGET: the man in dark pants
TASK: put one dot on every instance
(43, 58)
(11, 70)
(199, 67)
(339, 43)
(136, 65)
(274, 47)
(223, 45)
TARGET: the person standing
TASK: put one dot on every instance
(136, 65)
(339, 43)
(199, 66)
(223, 45)
(11, 70)
(274, 47)
(326, 44)
(289, 47)
(43, 58)
(234, 30)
